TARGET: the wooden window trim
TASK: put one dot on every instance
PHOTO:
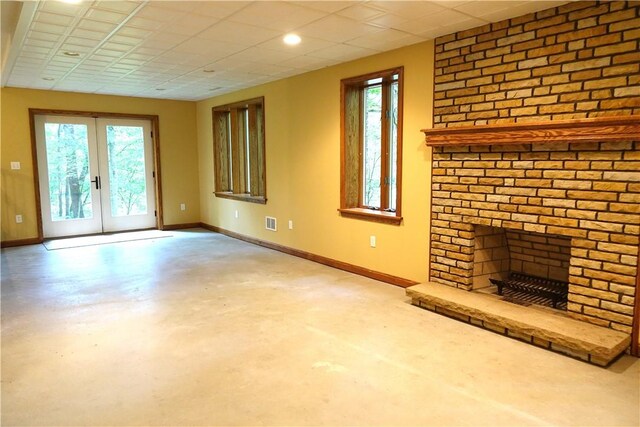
(232, 179)
(371, 215)
(356, 209)
(242, 197)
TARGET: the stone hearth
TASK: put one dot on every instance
(546, 328)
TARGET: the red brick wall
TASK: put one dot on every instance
(578, 60)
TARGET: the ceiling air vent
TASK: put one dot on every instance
(270, 223)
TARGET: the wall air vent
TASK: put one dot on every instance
(270, 223)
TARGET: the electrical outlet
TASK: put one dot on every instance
(183, 207)
(236, 214)
(372, 241)
(15, 165)
(19, 219)
(290, 224)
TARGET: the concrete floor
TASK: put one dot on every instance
(201, 329)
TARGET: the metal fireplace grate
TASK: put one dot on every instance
(554, 290)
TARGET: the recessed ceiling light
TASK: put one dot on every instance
(71, 1)
(48, 79)
(68, 53)
(209, 70)
(292, 39)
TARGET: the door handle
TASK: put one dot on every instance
(97, 182)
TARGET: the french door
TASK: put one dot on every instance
(96, 175)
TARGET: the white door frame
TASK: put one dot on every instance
(155, 128)
(131, 222)
(69, 227)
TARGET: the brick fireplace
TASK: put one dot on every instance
(558, 200)
(536, 168)
(585, 193)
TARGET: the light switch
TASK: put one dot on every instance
(15, 165)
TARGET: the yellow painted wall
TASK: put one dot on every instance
(178, 152)
(303, 168)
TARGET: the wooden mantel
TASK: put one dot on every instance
(620, 128)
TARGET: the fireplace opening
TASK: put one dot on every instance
(524, 267)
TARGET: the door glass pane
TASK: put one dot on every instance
(127, 180)
(372, 141)
(68, 167)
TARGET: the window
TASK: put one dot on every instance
(238, 142)
(371, 146)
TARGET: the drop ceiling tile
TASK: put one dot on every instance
(145, 24)
(95, 63)
(208, 48)
(178, 6)
(164, 41)
(224, 66)
(341, 51)
(431, 33)
(37, 35)
(68, 47)
(82, 33)
(153, 12)
(39, 43)
(389, 20)
(120, 6)
(451, 4)
(116, 46)
(260, 69)
(81, 41)
(523, 8)
(219, 9)
(93, 25)
(129, 31)
(448, 17)
(48, 28)
(56, 68)
(114, 74)
(495, 16)
(122, 68)
(308, 44)
(408, 9)
(39, 57)
(262, 55)
(326, 6)
(144, 50)
(138, 58)
(102, 58)
(462, 25)
(275, 15)
(86, 68)
(109, 53)
(478, 8)
(105, 16)
(54, 18)
(36, 49)
(306, 62)
(62, 8)
(361, 12)
(385, 40)
(337, 29)
(190, 25)
(129, 41)
(248, 35)
(28, 63)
